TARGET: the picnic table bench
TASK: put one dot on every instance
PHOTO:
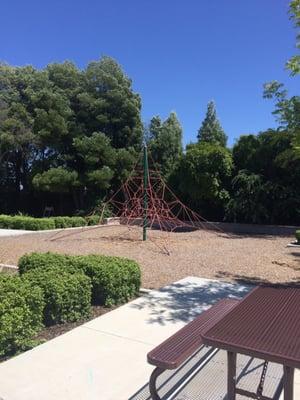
(175, 350)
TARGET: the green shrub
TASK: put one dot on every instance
(26, 223)
(114, 279)
(297, 235)
(43, 260)
(68, 222)
(60, 222)
(93, 220)
(77, 221)
(36, 224)
(67, 295)
(4, 221)
(21, 313)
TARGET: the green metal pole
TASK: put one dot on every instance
(145, 166)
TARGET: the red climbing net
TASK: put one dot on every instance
(164, 212)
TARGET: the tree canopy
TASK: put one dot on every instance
(65, 129)
(211, 130)
(165, 142)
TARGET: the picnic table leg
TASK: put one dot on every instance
(288, 378)
(231, 375)
(152, 383)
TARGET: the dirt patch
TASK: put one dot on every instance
(200, 253)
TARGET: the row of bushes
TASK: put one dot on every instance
(36, 224)
(53, 288)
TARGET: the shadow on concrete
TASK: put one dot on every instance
(185, 300)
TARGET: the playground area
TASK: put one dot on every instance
(234, 258)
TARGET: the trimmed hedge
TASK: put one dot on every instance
(21, 313)
(114, 279)
(93, 220)
(26, 223)
(297, 235)
(43, 260)
(67, 295)
(68, 222)
(37, 224)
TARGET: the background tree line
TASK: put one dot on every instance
(69, 137)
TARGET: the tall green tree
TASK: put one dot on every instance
(293, 63)
(111, 105)
(203, 176)
(248, 203)
(265, 188)
(165, 142)
(211, 130)
(56, 118)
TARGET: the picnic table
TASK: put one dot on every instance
(265, 325)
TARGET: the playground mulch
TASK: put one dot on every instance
(241, 258)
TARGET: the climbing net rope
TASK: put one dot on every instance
(164, 212)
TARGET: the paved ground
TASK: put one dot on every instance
(12, 232)
(239, 258)
(105, 359)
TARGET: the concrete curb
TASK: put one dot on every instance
(8, 268)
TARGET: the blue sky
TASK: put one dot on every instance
(179, 54)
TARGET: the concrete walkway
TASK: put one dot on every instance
(12, 232)
(105, 359)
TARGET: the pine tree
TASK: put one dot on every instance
(211, 130)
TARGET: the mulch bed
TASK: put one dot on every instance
(53, 331)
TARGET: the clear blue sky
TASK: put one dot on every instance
(179, 54)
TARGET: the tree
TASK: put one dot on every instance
(287, 110)
(293, 63)
(56, 180)
(111, 105)
(49, 119)
(211, 130)
(248, 202)
(165, 142)
(16, 124)
(97, 160)
(266, 185)
(244, 152)
(202, 177)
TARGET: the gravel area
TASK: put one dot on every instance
(200, 253)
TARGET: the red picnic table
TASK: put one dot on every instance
(265, 325)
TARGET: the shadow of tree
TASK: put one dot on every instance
(256, 280)
(185, 300)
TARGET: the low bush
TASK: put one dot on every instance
(43, 260)
(114, 279)
(68, 222)
(297, 235)
(26, 223)
(21, 313)
(77, 221)
(67, 295)
(36, 224)
(93, 220)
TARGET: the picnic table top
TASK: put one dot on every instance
(265, 324)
